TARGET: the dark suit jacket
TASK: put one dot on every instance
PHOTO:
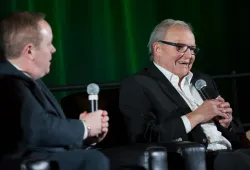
(152, 108)
(31, 118)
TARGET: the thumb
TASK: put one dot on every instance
(82, 115)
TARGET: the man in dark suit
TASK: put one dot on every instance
(32, 122)
(161, 103)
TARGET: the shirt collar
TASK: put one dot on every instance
(18, 68)
(172, 77)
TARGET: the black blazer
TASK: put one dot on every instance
(31, 118)
(152, 108)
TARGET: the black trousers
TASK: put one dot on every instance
(76, 159)
(229, 160)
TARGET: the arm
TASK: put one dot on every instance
(140, 116)
(40, 126)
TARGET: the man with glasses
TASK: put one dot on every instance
(161, 103)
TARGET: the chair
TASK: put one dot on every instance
(28, 164)
(180, 155)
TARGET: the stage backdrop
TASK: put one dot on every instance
(106, 40)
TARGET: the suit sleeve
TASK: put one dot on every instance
(237, 131)
(40, 127)
(141, 118)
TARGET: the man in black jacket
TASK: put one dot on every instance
(161, 103)
(32, 122)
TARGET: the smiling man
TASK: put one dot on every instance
(161, 103)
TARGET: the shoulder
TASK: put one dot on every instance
(200, 75)
(141, 77)
(12, 85)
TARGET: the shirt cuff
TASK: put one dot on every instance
(85, 131)
(187, 123)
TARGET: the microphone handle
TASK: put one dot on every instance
(92, 105)
(203, 94)
(96, 105)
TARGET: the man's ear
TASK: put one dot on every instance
(28, 51)
(156, 49)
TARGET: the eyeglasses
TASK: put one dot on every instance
(182, 48)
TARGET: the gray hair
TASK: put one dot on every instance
(160, 31)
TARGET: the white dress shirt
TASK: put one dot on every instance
(85, 128)
(191, 96)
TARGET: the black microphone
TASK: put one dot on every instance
(93, 90)
(205, 92)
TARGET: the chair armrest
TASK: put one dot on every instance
(147, 156)
(27, 164)
(192, 154)
(38, 164)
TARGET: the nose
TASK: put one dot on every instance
(53, 49)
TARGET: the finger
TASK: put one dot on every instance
(216, 102)
(229, 111)
(105, 125)
(225, 105)
(224, 121)
(226, 110)
(104, 113)
(104, 130)
(220, 99)
(223, 115)
(105, 119)
(99, 111)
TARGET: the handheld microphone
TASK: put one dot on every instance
(200, 85)
(93, 90)
(206, 93)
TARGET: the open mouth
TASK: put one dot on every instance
(184, 63)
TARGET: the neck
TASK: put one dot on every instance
(16, 63)
(180, 77)
(20, 66)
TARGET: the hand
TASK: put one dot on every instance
(95, 139)
(94, 121)
(104, 124)
(225, 107)
(205, 112)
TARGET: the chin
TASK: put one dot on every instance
(48, 70)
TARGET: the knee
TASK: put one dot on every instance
(228, 160)
(98, 159)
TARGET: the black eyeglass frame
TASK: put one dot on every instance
(192, 48)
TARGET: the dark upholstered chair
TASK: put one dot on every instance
(28, 164)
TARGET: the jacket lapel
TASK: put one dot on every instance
(167, 87)
(197, 133)
(50, 98)
(40, 91)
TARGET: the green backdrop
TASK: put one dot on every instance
(105, 40)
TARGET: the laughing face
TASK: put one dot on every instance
(171, 57)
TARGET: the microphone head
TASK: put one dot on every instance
(199, 84)
(93, 89)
